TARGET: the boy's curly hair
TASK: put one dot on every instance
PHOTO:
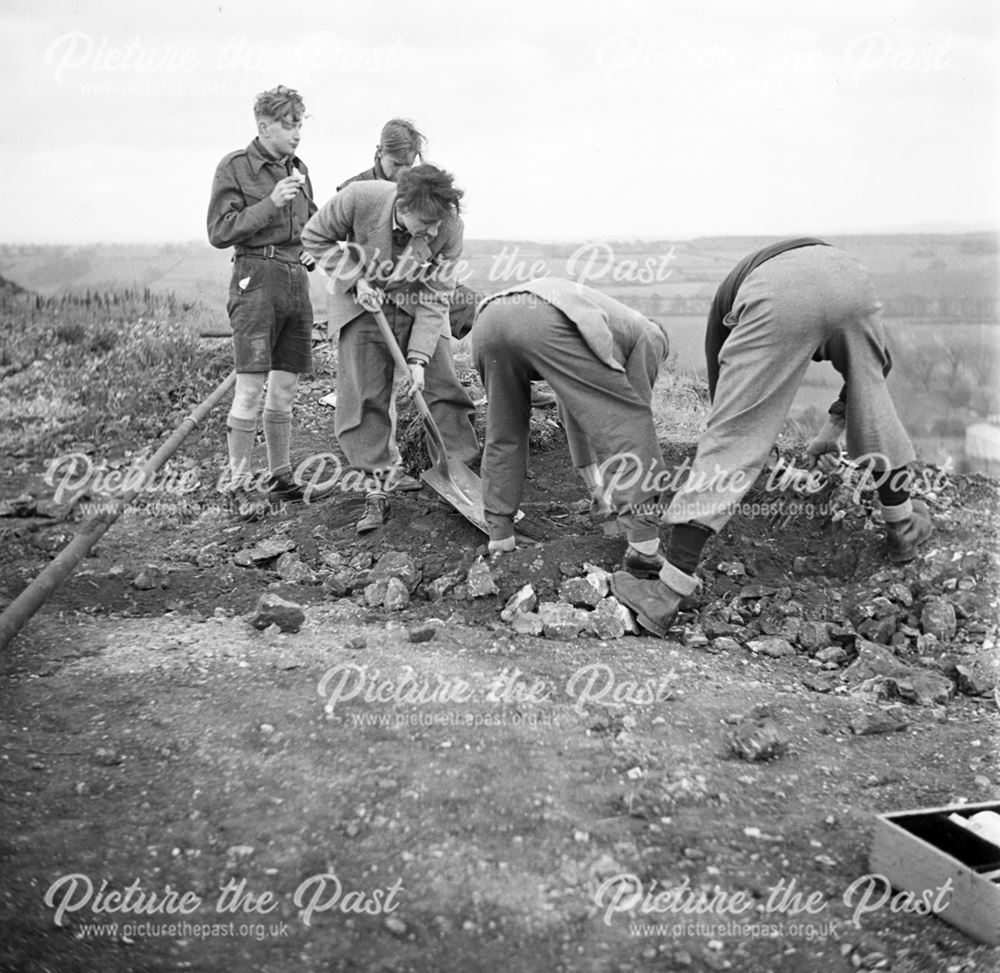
(279, 103)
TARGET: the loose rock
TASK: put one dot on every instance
(561, 621)
(480, 581)
(375, 593)
(274, 610)
(396, 564)
(938, 618)
(883, 721)
(610, 619)
(579, 592)
(520, 602)
(772, 646)
(397, 596)
(527, 623)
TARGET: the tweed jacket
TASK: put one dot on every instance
(351, 237)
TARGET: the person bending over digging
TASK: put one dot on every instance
(401, 245)
(261, 200)
(780, 308)
(601, 359)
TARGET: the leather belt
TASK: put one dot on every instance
(290, 254)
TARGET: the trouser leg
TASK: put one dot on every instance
(506, 375)
(364, 389)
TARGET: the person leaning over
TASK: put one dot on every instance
(394, 246)
(261, 200)
(780, 308)
(602, 359)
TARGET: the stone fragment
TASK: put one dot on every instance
(397, 595)
(821, 682)
(713, 626)
(375, 593)
(396, 564)
(695, 638)
(272, 609)
(579, 592)
(938, 618)
(882, 721)
(439, 587)
(269, 548)
(598, 577)
(480, 581)
(832, 653)
(421, 633)
(972, 681)
(527, 623)
(523, 600)
(291, 568)
(732, 569)
(561, 621)
(814, 636)
(610, 619)
(901, 594)
(724, 644)
(772, 646)
(148, 578)
(758, 737)
(878, 629)
(874, 660)
(342, 583)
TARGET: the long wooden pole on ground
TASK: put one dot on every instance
(21, 609)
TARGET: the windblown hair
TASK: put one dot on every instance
(401, 135)
(279, 103)
(429, 191)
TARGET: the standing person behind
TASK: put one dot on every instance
(602, 360)
(780, 308)
(261, 199)
(402, 246)
(399, 147)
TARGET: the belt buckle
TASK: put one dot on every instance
(268, 251)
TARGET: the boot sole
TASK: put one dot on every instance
(651, 626)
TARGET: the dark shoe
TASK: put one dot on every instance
(655, 605)
(248, 505)
(905, 536)
(375, 515)
(641, 565)
(540, 398)
(283, 489)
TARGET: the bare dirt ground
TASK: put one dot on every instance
(484, 799)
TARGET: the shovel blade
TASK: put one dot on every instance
(457, 484)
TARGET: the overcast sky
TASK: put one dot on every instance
(562, 121)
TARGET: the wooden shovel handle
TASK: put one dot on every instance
(399, 358)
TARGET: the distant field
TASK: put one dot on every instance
(940, 293)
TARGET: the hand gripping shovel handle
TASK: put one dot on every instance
(436, 441)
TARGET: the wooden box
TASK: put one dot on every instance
(920, 850)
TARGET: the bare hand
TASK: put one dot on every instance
(307, 260)
(823, 454)
(285, 190)
(416, 379)
(370, 298)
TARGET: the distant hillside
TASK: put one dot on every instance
(934, 276)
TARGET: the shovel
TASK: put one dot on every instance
(447, 476)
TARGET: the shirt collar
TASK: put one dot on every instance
(259, 158)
